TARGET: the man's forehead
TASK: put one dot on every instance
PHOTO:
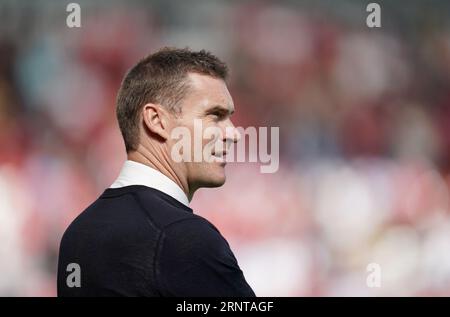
(202, 82)
(210, 92)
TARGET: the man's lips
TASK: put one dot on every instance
(220, 157)
(220, 154)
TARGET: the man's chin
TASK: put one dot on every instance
(214, 182)
(214, 179)
(209, 176)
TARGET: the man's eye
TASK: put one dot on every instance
(216, 116)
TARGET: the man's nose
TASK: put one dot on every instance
(237, 135)
(232, 134)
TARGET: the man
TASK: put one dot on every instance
(140, 237)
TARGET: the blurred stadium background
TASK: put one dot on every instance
(364, 117)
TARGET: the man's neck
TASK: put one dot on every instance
(147, 158)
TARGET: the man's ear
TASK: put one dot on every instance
(156, 120)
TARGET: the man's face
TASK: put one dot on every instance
(208, 104)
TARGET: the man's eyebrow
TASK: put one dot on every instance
(220, 109)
